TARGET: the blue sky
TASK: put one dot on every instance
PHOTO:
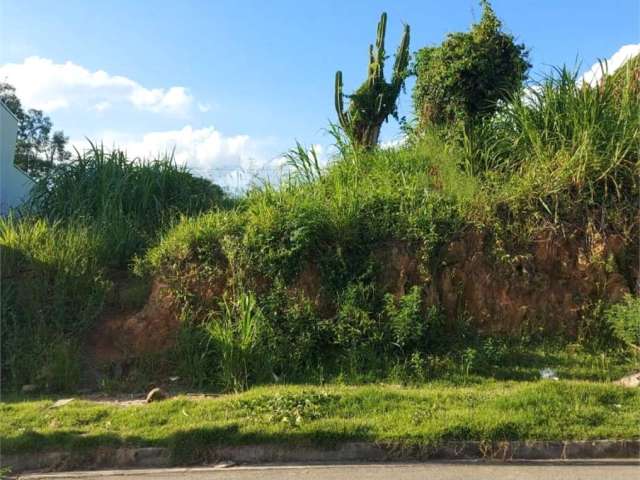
(234, 83)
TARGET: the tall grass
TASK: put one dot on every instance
(303, 163)
(564, 143)
(235, 335)
(129, 200)
(85, 218)
(52, 289)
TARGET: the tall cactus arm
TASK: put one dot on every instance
(371, 68)
(382, 30)
(342, 117)
(401, 63)
(372, 103)
(377, 54)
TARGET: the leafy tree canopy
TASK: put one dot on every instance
(37, 148)
(464, 78)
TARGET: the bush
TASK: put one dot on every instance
(464, 79)
(357, 329)
(296, 338)
(406, 320)
(624, 319)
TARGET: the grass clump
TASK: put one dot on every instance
(128, 200)
(235, 337)
(565, 148)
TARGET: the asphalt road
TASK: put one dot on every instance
(430, 471)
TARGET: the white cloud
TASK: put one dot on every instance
(204, 107)
(102, 106)
(40, 83)
(232, 161)
(595, 73)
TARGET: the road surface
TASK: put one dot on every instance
(430, 471)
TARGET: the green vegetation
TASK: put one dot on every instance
(317, 252)
(565, 144)
(235, 336)
(128, 201)
(625, 320)
(375, 100)
(53, 288)
(86, 221)
(465, 79)
(323, 416)
(37, 148)
(324, 237)
(368, 270)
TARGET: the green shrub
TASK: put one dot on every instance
(357, 330)
(406, 321)
(296, 338)
(624, 319)
(464, 79)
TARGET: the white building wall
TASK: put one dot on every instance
(15, 185)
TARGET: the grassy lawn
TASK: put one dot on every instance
(489, 410)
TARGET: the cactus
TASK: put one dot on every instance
(372, 103)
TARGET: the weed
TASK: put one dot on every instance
(235, 335)
(291, 409)
(624, 319)
(304, 164)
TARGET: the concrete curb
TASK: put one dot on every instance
(155, 457)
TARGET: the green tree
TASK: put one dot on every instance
(464, 78)
(372, 103)
(58, 147)
(36, 147)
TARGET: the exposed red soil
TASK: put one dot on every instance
(120, 335)
(548, 285)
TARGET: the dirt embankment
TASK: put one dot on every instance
(548, 285)
(126, 333)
